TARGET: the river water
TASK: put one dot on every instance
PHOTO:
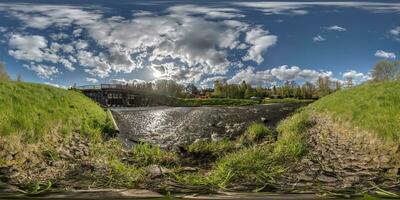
(177, 126)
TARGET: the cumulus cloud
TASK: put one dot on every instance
(260, 41)
(189, 41)
(91, 80)
(286, 74)
(384, 54)
(252, 77)
(281, 73)
(357, 77)
(34, 48)
(318, 38)
(124, 81)
(209, 12)
(335, 28)
(43, 71)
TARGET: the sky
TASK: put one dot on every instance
(84, 42)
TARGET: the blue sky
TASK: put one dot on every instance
(261, 42)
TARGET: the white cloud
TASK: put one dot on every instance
(252, 77)
(209, 12)
(188, 41)
(313, 75)
(55, 85)
(91, 80)
(3, 29)
(357, 77)
(43, 71)
(286, 74)
(57, 15)
(318, 38)
(95, 65)
(260, 41)
(59, 36)
(335, 28)
(395, 32)
(282, 73)
(293, 8)
(30, 48)
(384, 54)
(124, 82)
(35, 48)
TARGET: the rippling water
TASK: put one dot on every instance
(172, 126)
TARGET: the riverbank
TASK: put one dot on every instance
(313, 151)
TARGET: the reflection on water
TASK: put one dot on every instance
(171, 126)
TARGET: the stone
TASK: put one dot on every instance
(263, 119)
(304, 177)
(349, 181)
(188, 169)
(157, 171)
(215, 137)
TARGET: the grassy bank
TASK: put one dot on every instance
(218, 102)
(286, 100)
(34, 110)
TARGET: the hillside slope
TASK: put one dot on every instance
(45, 132)
(374, 107)
(347, 140)
(34, 110)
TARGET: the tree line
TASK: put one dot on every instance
(382, 71)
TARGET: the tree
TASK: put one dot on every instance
(19, 78)
(3, 73)
(324, 86)
(349, 82)
(385, 70)
(192, 90)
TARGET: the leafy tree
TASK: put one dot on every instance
(3, 73)
(192, 90)
(385, 70)
(19, 78)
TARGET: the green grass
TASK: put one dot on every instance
(372, 107)
(246, 160)
(256, 132)
(286, 100)
(34, 110)
(144, 154)
(218, 102)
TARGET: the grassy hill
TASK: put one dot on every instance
(374, 107)
(33, 110)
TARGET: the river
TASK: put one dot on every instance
(176, 126)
